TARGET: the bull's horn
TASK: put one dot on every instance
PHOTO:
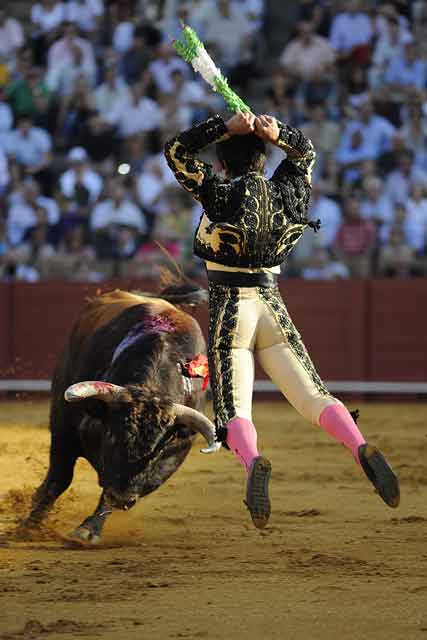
(105, 391)
(198, 422)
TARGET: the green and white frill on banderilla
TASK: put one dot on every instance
(193, 51)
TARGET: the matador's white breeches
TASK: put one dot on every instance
(254, 320)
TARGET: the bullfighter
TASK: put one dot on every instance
(248, 227)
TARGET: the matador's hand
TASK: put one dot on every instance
(266, 127)
(241, 124)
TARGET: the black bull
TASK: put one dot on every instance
(120, 400)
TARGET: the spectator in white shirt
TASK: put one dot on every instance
(80, 178)
(328, 211)
(29, 209)
(11, 38)
(201, 12)
(377, 132)
(136, 114)
(187, 103)
(4, 244)
(23, 272)
(321, 267)
(386, 11)
(413, 133)
(29, 146)
(375, 205)
(193, 94)
(117, 211)
(227, 31)
(416, 217)
(163, 65)
(111, 92)
(419, 25)
(412, 223)
(323, 132)
(4, 172)
(6, 116)
(174, 18)
(176, 116)
(396, 258)
(350, 29)
(63, 77)
(35, 249)
(62, 52)
(308, 54)
(154, 186)
(399, 181)
(252, 11)
(389, 45)
(406, 72)
(118, 225)
(123, 36)
(47, 15)
(352, 153)
(150, 188)
(85, 13)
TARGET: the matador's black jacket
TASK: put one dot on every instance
(249, 221)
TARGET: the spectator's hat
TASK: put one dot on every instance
(77, 154)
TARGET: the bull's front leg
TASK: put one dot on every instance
(58, 479)
(89, 531)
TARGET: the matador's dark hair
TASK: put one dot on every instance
(241, 154)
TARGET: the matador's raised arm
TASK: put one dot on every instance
(181, 155)
(300, 153)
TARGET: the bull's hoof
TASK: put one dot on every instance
(28, 523)
(83, 536)
(26, 528)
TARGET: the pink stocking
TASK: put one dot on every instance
(242, 440)
(337, 421)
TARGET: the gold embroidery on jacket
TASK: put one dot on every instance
(250, 221)
(191, 170)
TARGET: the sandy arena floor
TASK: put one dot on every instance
(334, 562)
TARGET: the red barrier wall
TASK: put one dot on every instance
(397, 331)
(356, 330)
(43, 315)
(331, 319)
(5, 329)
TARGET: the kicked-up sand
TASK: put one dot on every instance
(186, 562)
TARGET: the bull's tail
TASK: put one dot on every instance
(184, 294)
(176, 287)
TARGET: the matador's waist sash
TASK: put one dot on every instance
(242, 279)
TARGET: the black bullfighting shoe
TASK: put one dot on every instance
(380, 474)
(257, 499)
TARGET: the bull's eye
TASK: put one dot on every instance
(95, 408)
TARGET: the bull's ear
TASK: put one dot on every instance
(95, 408)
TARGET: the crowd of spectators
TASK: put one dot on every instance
(91, 89)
